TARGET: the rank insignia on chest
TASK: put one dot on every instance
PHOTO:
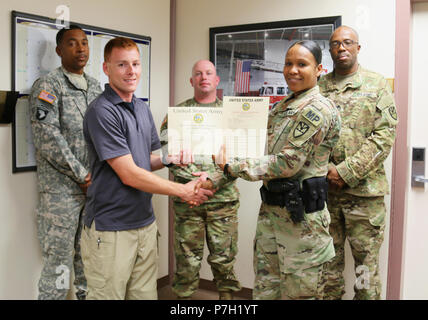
(300, 129)
(47, 97)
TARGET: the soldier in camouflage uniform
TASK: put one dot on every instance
(58, 103)
(216, 218)
(302, 130)
(356, 173)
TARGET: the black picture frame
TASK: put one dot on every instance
(255, 45)
(18, 17)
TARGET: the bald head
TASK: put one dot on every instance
(347, 30)
(203, 64)
(344, 49)
(204, 81)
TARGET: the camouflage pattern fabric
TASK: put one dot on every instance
(218, 223)
(352, 218)
(299, 275)
(57, 109)
(59, 226)
(369, 119)
(217, 217)
(288, 257)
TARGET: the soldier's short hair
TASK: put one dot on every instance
(62, 32)
(119, 42)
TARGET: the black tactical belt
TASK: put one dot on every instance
(272, 198)
(287, 193)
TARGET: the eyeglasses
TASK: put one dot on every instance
(347, 43)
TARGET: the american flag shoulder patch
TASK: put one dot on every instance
(46, 96)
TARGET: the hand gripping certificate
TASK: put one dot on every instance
(240, 125)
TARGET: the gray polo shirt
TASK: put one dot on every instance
(113, 128)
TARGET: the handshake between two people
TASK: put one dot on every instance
(202, 188)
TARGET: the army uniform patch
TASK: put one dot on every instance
(313, 116)
(290, 112)
(47, 97)
(392, 112)
(310, 121)
(300, 129)
(41, 114)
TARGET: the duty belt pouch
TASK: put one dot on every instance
(263, 194)
(272, 198)
(314, 193)
(285, 193)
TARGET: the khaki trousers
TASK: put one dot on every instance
(121, 265)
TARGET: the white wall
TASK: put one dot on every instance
(21, 259)
(375, 22)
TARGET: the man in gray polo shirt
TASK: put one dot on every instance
(119, 243)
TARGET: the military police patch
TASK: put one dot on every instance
(300, 129)
(313, 116)
(306, 126)
(41, 114)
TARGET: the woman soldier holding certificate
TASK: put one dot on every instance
(292, 241)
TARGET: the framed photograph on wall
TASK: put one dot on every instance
(250, 58)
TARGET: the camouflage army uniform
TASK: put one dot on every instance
(216, 219)
(289, 257)
(358, 211)
(57, 110)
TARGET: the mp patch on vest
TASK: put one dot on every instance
(41, 114)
